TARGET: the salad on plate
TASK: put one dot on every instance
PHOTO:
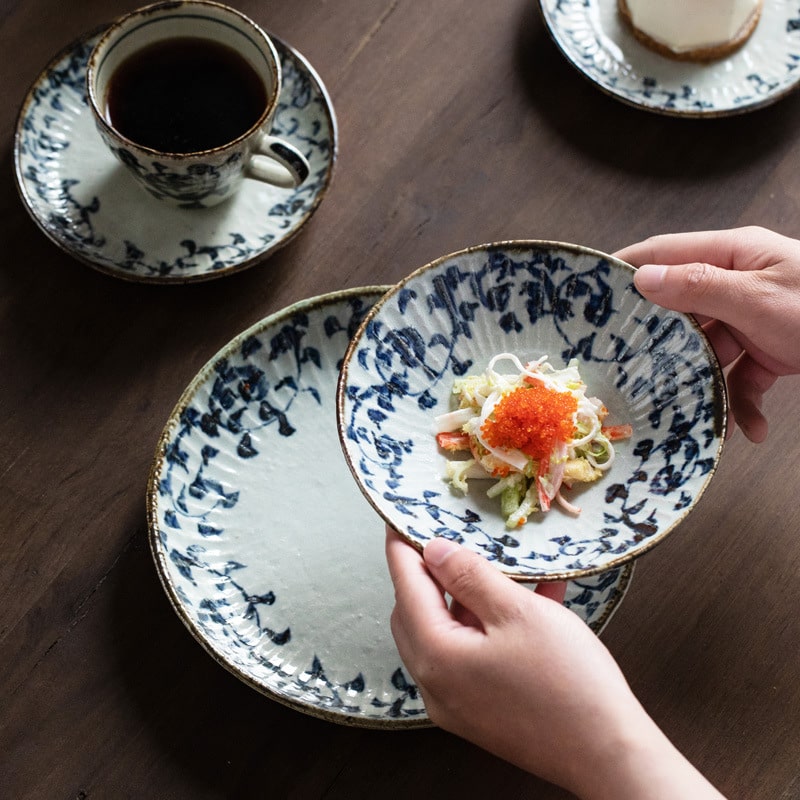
(532, 429)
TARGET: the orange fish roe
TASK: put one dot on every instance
(532, 419)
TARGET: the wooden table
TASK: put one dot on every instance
(459, 123)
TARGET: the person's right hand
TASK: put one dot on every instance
(743, 285)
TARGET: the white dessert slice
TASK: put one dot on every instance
(696, 30)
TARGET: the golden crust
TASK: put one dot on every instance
(701, 53)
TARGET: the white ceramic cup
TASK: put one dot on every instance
(206, 177)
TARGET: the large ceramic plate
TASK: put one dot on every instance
(266, 548)
(87, 203)
(653, 369)
(597, 42)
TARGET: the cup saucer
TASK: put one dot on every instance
(87, 203)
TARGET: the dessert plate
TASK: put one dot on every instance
(595, 39)
(87, 203)
(265, 546)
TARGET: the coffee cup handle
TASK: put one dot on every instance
(277, 162)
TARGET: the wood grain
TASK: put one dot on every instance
(459, 123)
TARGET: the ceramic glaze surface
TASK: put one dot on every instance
(203, 171)
(652, 368)
(88, 204)
(264, 544)
(595, 39)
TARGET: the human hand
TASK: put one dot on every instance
(526, 679)
(743, 285)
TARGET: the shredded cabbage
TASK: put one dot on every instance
(525, 482)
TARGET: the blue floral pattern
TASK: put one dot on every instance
(277, 571)
(82, 199)
(652, 368)
(596, 41)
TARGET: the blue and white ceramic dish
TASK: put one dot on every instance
(85, 201)
(599, 44)
(267, 550)
(653, 369)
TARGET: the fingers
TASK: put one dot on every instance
(747, 383)
(678, 248)
(465, 616)
(423, 627)
(473, 582)
(711, 274)
(555, 591)
(481, 594)
(552, 590)
(727, 347)
(416, 594)
(738, 248)
(699, 288)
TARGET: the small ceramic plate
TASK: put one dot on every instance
(88, 204)
(653, 369)
(597, 41)
(267, 550)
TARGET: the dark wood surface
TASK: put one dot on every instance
(459, 123)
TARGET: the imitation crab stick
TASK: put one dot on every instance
(534, 430)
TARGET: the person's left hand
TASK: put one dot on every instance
(525, 678)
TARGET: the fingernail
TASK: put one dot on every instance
(437, 550)
(649, 277)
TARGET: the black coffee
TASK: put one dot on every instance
(185, 95)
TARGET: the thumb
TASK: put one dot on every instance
(697, 289)
(472, 581)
